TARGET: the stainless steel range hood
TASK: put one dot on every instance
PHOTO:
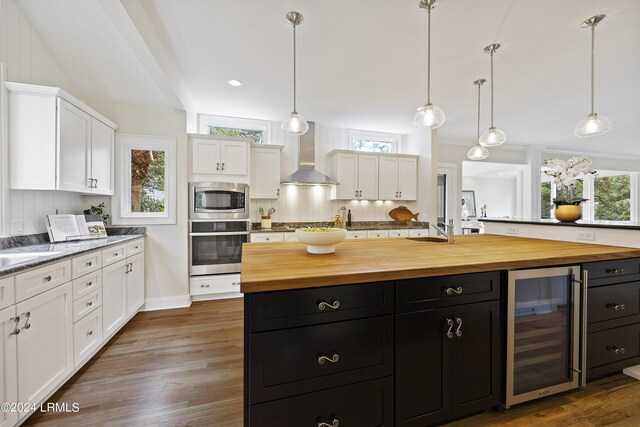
(306, 173)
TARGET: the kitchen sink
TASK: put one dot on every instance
(429, 239)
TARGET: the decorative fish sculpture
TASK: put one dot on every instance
(403, 214)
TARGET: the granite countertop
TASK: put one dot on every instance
(284, 227)
(626, 225)
(20, 253)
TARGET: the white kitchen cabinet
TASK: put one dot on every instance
(135, 283)
(267, 237)
(44, 344)
(114, 302)
(57, 142)
(422, 232)
(357, 234)
(8, 365)
(398, 233)
(265, 171)
(377, 234)
(397, 177)
(228, 284)
(212, 156)
(357, 175)
(290, 237)
(7, 292)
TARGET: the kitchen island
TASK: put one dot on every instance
(413, 336)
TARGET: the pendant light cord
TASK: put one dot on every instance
(294, 68)
(429, 55)
(593, 43)
(478, 139)
(492, 88)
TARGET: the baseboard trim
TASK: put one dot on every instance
(165, 303)
(212, 297)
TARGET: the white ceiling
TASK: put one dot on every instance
(362, 63)
(490, 169)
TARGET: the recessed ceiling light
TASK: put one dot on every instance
(234, 82)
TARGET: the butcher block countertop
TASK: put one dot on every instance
(282, 266)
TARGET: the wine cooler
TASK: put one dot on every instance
(544, 332)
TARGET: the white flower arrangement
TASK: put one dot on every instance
(565, 175)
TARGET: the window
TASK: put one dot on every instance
(145, 180)
(375, 142)
(258, 130)
(612, 198)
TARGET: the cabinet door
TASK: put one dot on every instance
(265, 173)
(233, 158)
(368, 176)
(74, 144)
(388, 178)
(8, 365)
(102, 143)
(45, 343)
(408, 178)
(475, 376)
(346, 171)
(205, 156)
(423, 384)
(135, 283)
(113, 297)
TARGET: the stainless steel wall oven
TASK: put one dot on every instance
(215, 246)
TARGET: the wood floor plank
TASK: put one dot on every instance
(184, 367)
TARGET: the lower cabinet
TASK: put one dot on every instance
(114, 291)
(135, 283)
(447, 363)
(8, 364)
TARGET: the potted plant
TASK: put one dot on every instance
(565, 175)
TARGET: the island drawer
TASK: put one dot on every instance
(434, 292)
(613, 345)
(287, 309)
(302, 360)
(614, 302)
(613, 271)
(366, 404)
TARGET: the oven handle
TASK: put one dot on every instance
(230, 233)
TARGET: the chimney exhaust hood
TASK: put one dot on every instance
(306, 173)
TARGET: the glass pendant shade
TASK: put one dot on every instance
(295, 125)
(428, 116)
(492, 138)
(478, 152)
(592, 125)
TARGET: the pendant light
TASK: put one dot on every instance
(594, 124)
(492, 137)
(478, 152)
(428, 116)
(295, 124)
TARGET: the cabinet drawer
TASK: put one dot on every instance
(7, 292)
(601, 345)
(267, 237)
(366, 404)
(287, 309)
(613, 269)
(215, 284)
(301, 360)
(419, 233)
(87, 336)
(398, 233)
(86, 264)
(433, 292)
(135, 247)
(113, 254)
(87, 304)
(42, 279)
(356, 235)
(377, 234)
(613, 302)
(86, 284)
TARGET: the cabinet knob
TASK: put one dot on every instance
(278, 192)
(222, 166)
(333, 359)
(217, 166)
(616, 350)
(235, 283)
(47, 278)
(90, 303)
(332, 423)
(205, 286)
(459, 328)
(617, 307)
(449, 331)
(15, 321)
(26, 315)
(451, 291)
(89, 333)
(323, 304)
(89, 264)
(616, 271)
(89, 284)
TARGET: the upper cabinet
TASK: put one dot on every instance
(212, 155)
(265, 171)
(373, 176)
(58, 143)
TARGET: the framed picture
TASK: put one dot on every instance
(469, 204)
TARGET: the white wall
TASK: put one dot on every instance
(27, 59)
(499, 194)
(312, 203)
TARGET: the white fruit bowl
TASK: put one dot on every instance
(321, 242)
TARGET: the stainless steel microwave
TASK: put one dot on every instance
(213, 200)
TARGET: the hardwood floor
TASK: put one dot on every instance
(183, 367)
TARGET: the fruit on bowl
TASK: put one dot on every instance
(321, 240)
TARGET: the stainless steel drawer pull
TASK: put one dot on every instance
(26, 315)
(323, 304)
(459, 328)
(222, 166)
(89, 284)
(90, 303)
(217, 166)
(332, 359)
(235, 283)
(334, 423)
(15, 320)
(450, 324)
(617, 307)
(450, 291)
(47, 278)
(616, 350)
(89, 333)
(89, 264)
(616, 271)
(205, 286)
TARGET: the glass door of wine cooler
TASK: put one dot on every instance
(543, 332)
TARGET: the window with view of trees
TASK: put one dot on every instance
(147, 181)
(375, 142)
(257, 130)
(256, 135)
(612, 198)
(359, 144)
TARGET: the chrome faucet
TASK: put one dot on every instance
(448, 234)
